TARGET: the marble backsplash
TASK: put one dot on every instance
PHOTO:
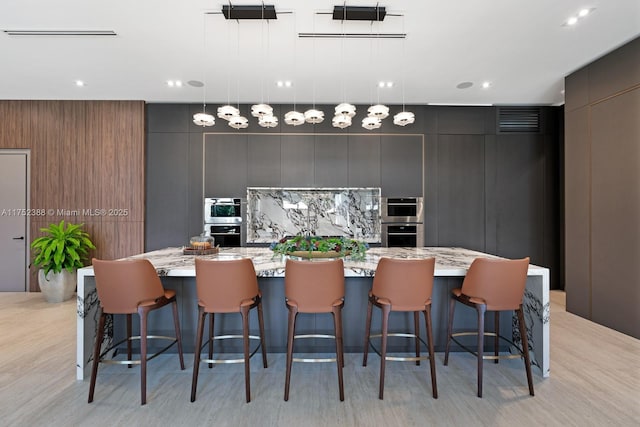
(273, 213)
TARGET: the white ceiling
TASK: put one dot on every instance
(520, 46)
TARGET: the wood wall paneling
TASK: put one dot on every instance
(615, 72)
(576, 90)
(615, 210)
(577, 212)
(83, 154)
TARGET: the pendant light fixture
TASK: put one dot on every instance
(343, 111)
(404, 117)
(264, 112)
(226, 112)
(313, 115)
(238, 122)
(294, 117)
(378, 112)
(204, 119)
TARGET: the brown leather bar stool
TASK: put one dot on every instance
(492, 285)
(128, 287)
(402, 285)
(228, 286)
(314, 287)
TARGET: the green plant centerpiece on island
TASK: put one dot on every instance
(317, 247)
(59, 253)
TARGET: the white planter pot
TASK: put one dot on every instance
(57, 287)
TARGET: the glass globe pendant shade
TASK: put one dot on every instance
(238, 122)
(404, 118)
(203, 119)
(371, 123)
(346, 109)
(259, 110)
(227, 111)
(294, 118)
(268, 121)
(341, 121)
(380, 111)
(314, 116)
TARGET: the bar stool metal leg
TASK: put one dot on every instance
(432, 359)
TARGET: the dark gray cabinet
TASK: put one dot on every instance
(461, 191)
(297, 161)
(331, 162)
(401, 165)
(264, 161)
(225, 165)
(167, 183)
(364, 160)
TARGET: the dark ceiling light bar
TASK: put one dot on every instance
(359, 13)
(260, 11)
(353, 35)
(60, 32)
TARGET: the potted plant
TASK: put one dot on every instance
(59, 253)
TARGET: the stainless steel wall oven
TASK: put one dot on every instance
(223, 220)
(402, 222)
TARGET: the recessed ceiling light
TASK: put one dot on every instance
(385, 84)
(80, 83)
(284, 83)
(573, 20)
(174, 83)
(486, 85)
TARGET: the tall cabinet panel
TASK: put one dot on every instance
(331, 161)
(167, 190)
(461, 191)
(264, 161)
(518, 202)
(364, 160)
(297, 161)
(225, 165)
(401, 165)
(615, 212)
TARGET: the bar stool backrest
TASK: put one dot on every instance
(222, 286)
(406, 283)
(123, 285)
(314, 286)
(499, 282)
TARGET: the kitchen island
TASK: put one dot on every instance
(177, 272)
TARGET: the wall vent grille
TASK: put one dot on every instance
(519, 119)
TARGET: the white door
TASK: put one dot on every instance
(13, 222)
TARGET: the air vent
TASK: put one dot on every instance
(48, 33)
(519, 119)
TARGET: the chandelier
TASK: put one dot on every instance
(404, 118)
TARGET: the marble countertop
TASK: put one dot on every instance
(450, 261)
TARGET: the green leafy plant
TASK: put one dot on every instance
(61, 247)
(342, 245)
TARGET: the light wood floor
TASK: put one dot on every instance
(595, 381)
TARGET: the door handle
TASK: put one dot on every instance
(19, 238)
